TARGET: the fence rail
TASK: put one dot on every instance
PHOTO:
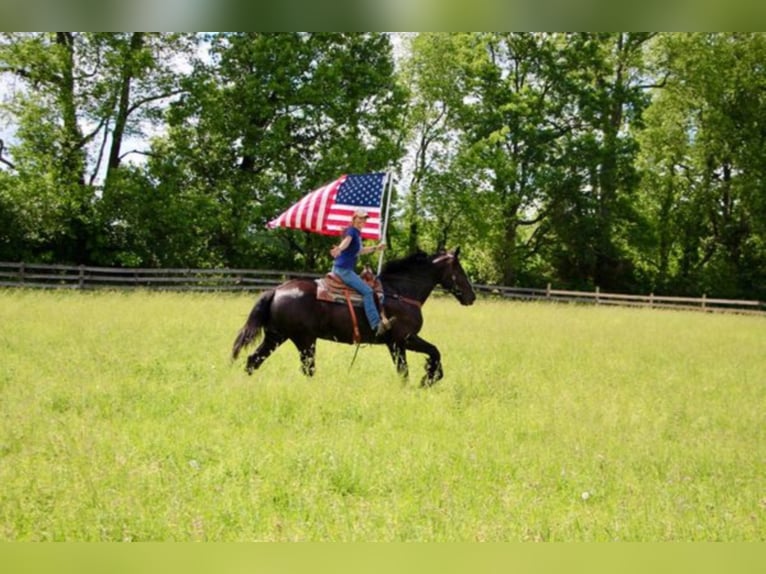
(41, 276)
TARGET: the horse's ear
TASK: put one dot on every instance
(457, 251)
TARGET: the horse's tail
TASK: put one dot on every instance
(259, 316)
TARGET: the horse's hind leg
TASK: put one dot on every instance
(307, 350)
(270, 342)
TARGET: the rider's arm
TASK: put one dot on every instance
(372, 248)
(335, 251)
(345, 243)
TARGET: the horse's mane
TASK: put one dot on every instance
(407, 264)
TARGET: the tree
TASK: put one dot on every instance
(75, 98)
(432, 75)
(479, 100)
(513, 119)
(536, 128)
(268, 118)
(594, 217)
(703, 162)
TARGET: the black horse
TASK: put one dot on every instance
(292, 311)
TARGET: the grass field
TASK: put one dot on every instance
(124, 419)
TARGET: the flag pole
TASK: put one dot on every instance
(384, 229)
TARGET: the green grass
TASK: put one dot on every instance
(123, 419)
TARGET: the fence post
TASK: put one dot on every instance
(21, 272)
(548, 291)
(81, 277)
(704, 301)
(651, 300)
(598, 291)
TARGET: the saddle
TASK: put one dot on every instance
(332, 289)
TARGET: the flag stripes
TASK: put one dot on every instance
(328, 210)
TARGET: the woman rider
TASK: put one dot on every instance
(346, 255)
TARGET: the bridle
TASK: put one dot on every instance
(455, 288)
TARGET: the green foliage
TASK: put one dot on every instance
(124, 419)
(536, 127)
(77, 97)
(704, 179)
(627, 161)
(273, 116)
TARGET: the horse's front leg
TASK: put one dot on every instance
(434, 370)
(399, 356)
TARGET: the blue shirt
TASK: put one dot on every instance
(347, 258)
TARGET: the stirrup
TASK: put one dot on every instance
(384, 325)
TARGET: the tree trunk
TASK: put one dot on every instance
(123, 105)
(73, 161)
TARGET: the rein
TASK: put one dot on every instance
(404, 299)
(353, 359)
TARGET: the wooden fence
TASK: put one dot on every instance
(41, 276)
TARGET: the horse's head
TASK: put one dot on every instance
(452, 276)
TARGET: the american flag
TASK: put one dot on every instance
(328, 210)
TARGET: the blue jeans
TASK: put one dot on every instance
(353, 280)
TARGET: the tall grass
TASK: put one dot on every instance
(123, 419)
